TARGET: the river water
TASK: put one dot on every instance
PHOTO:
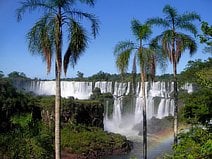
(158, 145)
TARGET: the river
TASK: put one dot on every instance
(158, 145)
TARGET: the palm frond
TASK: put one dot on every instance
(170, 12)
(189, 16)
(122, 46)
(150, 62)
(31, 5)
(188, 27)
(89, 2)
(122, 52)
(158, 22)
(40, 39)
(166, 41)
(141, 31)
(184, 42)
(135, 24)
(77, 14)
(122, 61)
(64, 3)
(77, 45)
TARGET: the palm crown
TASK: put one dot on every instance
(146, 57)
(45, 36)
(173, 41)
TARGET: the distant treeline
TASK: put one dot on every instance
(100, 76)
(185, 76)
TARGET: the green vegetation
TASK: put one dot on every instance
(197, 112)
(206, 37)
(22, 134)
(197, 109)
(91, 141)
(198, 72)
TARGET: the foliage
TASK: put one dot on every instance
(197, 111)
(12, 103)
(45, 37)
(101, 76)
(17, 75)
(198, 72)
(164, 77)
(28, 142)
(145, 57)
(174, 42)
(1, 74)
(197, 107)
(21, 120)
(194, 144)
(22, 134)
(84, 112)
(87, 140)
(80, 75)
(206, 37)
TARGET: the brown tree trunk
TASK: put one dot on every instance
(144, 114)
(57, 117)
(144, 99)
(175, 103)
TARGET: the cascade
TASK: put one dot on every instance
(79, 90)
(158, 95)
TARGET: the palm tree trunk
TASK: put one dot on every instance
(175, 103)
(174, 61)
(58, 63)
(57, 116)
(144, 114)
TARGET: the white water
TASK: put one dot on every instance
(158, 95)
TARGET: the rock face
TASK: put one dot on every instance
(84, 112)
(89, 113)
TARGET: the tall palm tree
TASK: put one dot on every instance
(47, 35)
(124, 50)
(174, 43)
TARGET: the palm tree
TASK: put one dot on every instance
(124, 50)
(174, 43)
(46, 38)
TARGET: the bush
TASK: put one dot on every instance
(87, 140)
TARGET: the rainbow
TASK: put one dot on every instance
(160, 143)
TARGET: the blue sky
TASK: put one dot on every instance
(114, 16)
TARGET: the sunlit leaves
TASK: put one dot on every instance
(140, 31)
(77, 45)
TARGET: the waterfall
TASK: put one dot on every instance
(79, 90)
(161, 108)
(105, 87)
(158, 95)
